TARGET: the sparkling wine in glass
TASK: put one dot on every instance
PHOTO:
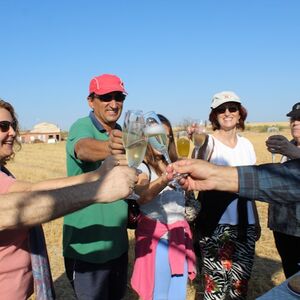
(183, 144)
(134, 139)
(199, 136)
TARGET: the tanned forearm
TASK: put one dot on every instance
(225, 178)
(92, 150)
(28, 209)
(22, 186)
(31, 208)
(151, 190)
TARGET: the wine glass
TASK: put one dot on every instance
(183, 144)
(272, 131)
(134, 140)
(199, 136)
(157, 137)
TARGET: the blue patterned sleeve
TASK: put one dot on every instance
(271, 182)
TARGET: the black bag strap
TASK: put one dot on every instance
(202, 154)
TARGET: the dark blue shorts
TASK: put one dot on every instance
(107, 281)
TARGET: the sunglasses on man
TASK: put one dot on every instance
(118, 97)
(5, 125)
(231, 107)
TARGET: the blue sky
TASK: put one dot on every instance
(172, 55)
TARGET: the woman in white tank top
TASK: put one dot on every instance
(228, 225)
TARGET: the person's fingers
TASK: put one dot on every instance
(115, 133)
(120, 160)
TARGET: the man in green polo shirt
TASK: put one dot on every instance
(95, 241)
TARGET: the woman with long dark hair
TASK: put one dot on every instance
(164, 258)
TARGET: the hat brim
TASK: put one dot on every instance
(294, 113)
(225, 101)
(110, 90)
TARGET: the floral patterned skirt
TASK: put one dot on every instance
(227, 262)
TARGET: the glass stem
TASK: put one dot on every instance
(166, 156)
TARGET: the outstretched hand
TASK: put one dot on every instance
(204, 176)
(126, 179)
(199, 171)
(281, 145)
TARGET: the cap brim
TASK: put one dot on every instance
(294, 113)
(225, 101)
(110, 90)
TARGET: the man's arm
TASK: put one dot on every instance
(92, 150)
(108, 164)
(271, 182)
(31, 208)
(268, 182)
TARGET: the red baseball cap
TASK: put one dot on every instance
(106, 83)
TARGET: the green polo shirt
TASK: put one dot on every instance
(98, 232)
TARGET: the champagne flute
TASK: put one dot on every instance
(157, 137)
(199, 136)
(183, 144)
(272, 131)
(134, 140)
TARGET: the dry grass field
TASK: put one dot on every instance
(39, 161)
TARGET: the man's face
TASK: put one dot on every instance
(107, 108)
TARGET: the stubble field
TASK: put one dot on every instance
(40, 161)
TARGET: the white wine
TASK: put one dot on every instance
(199, 139)
(183, 147)
(135, 153)
(157, 137)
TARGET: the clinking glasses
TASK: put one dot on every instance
(232, 108)
(119, 97)
(5, 125)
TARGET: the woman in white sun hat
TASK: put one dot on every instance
(227, 229)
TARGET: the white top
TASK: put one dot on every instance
(167, 207)
(242, 154)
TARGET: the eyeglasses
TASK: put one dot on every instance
(232, 108)
(5, 125)
(119, 97)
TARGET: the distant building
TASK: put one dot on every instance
(43, 133)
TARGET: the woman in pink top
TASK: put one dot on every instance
(21, 250)
(24, 262)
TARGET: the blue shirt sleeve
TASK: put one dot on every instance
(271, 182)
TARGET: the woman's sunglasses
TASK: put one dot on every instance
(119, 97)
(5, 125)
(232, 108)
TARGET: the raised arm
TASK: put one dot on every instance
(32, 208)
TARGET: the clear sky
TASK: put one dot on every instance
(172, 55)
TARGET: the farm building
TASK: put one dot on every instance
(42, 132)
